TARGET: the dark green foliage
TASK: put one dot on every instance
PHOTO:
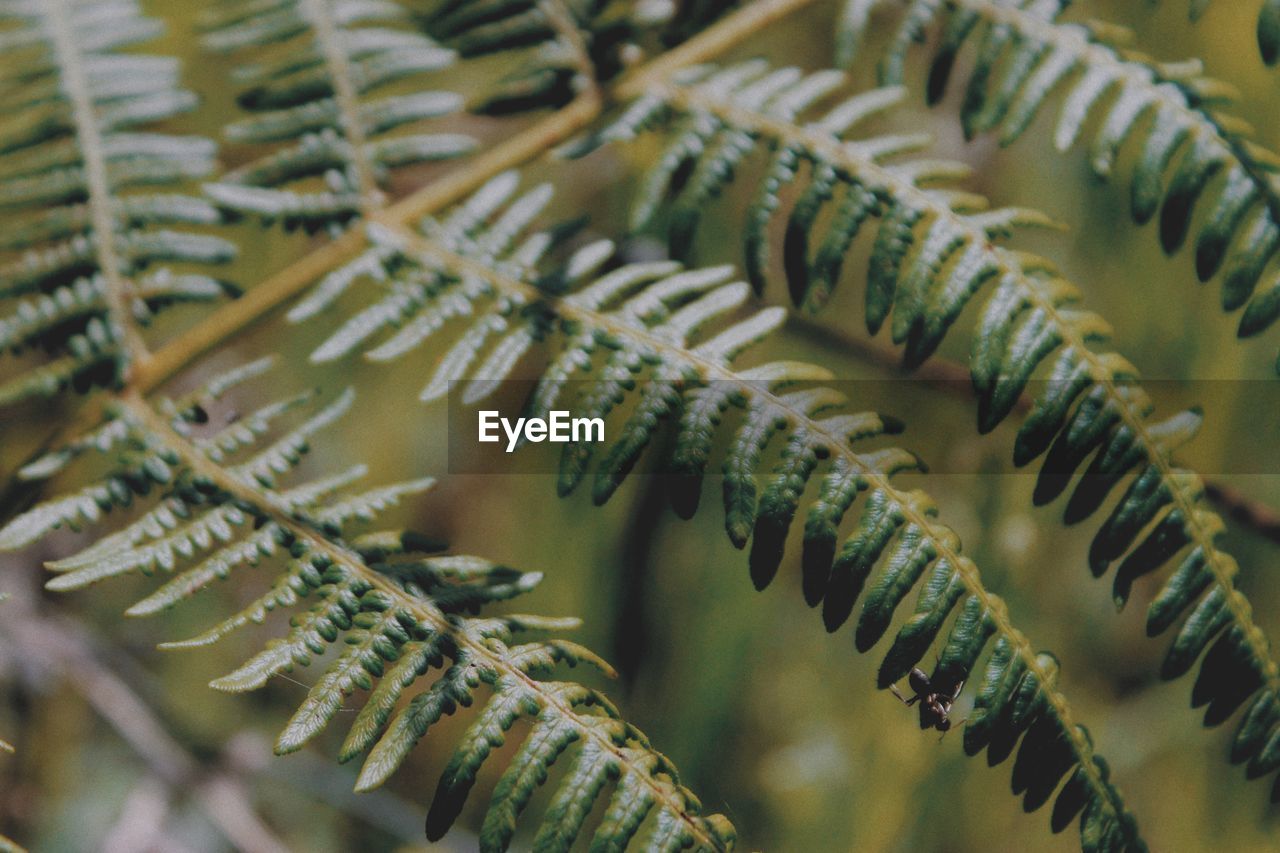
(574, 43)
(693, 15)
(936, 248)
(76, 155)
(1191, 152)
(658, 337)
(855, 17)
(313, 75)
(388, 614)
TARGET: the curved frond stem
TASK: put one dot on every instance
(278, 288)
(903, 188)
(237, 315)
(839, 447)
(75, 83)
(329, 40)
(279, 511)
(720, 37)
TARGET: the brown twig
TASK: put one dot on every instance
(1251, 513)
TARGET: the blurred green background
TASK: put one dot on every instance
(772, 721)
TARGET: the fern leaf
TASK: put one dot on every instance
(934, 249)
(322, 102)
(86, 211)
(561, 47)
(1170, 113)
(670, 339)
(396, 614)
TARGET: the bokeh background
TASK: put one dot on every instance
(772, 721)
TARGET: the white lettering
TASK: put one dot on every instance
(513, 433)
(488, 422)
(558, 428)
(589, 425)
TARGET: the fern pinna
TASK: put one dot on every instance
(1171, 113)
(935, 249)
(337, 136)
(87, 233)
(576, 43)
(660, 334)
(215, 502)
(320, 106)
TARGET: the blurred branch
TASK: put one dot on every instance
(632, 620)
(59, 645)
(1249, 512)
(941, 373)
(953, 378)
(318, 778)
(140, 825)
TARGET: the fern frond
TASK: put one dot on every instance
(318, 97)
(1171, 112)
(86, 233)
(666, 339)
(857, 13)
(393, 616)
(692, 16)
(936, 247)
(571, 46)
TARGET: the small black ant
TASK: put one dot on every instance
(935, 703)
